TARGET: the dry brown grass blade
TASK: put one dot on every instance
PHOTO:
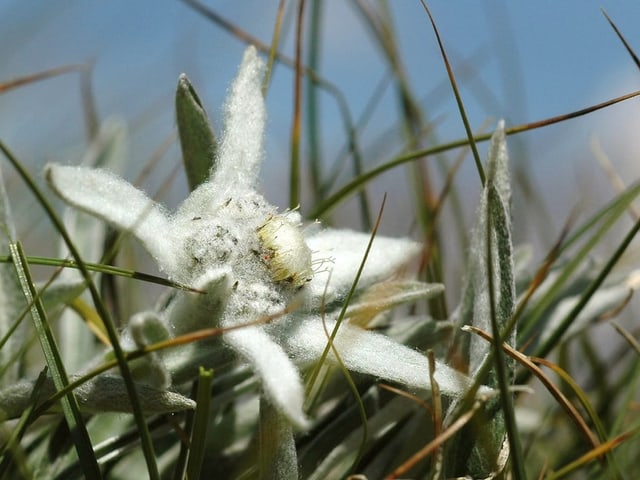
(627, 336)
(568, 116)
(580, 395)
(294, 178)
(207, 333)
(436, 399)
(414, 398)
(435, 413)
(564, 402)
(89, 106)
(542, 272)
(614, 177)
(36, 77)
(219, 20)
(434, 444)
(435, 395)
(591, 455)
(635, 58)
(275, 41)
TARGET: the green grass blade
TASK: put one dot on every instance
(615, 208)
(459, 102)
(11, 449)
(583, 398)
(356, 185)
(488, 304)
(553, 340)
(312, 105)
(294, 142)
(101, 268)
(346, 302)
(70, 407)
(498, 225)
(602, 221)
(201, 421)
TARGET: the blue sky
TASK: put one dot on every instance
(530, 60)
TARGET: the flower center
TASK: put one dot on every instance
(284, 250)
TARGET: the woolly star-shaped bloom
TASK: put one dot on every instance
(252, 262)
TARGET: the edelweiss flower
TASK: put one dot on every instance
(252, 262)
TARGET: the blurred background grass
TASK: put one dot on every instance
(520, 61)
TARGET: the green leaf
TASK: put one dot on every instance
(197, 139)
(475, 305)
(488, 302)
(104, 393)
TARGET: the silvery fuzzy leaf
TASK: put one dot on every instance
(145, 329)
(421, 332)
(475, 306)
(105, 393)
(219, 227)
(490, 267)
(62, 292)
(498, 164)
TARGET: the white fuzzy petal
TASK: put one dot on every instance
(241, 149)
(341, 251)
(116, 201)
(280, 378)
(374, 354)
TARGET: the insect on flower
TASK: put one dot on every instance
(284, 250)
